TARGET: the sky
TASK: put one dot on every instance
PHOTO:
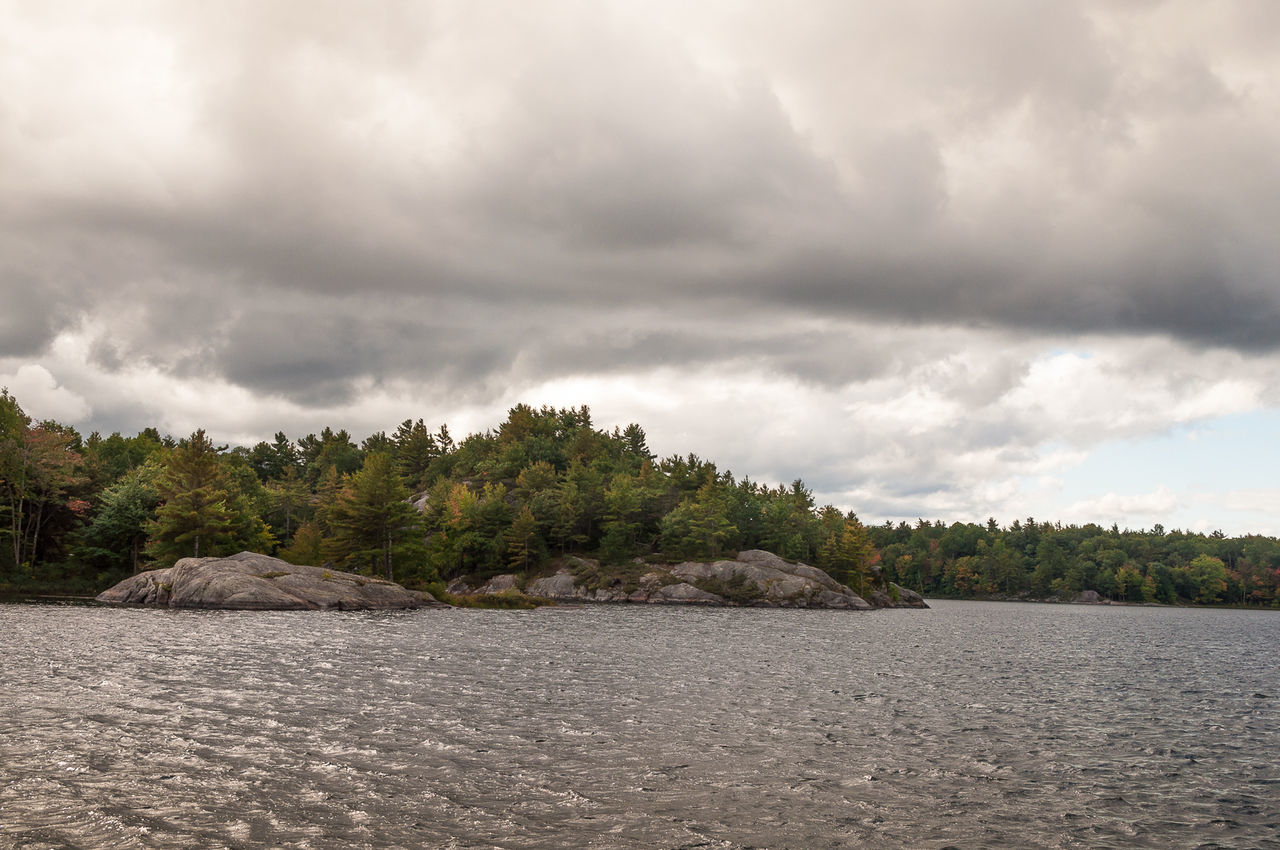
(998, 258)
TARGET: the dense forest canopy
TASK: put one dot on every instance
(419, 506)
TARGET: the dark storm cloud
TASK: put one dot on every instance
(468, 197)
(27, 319)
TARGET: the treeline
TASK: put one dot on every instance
(1042, 560)
(413, 504)
(419, 507)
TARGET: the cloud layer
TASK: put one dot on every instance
(967, 241)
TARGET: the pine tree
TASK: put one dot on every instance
(371, 521)
(194, 517)
(524, 543)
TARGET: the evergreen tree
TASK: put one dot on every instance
(524, 544)
(372, 522)
(290, 502)
(415, 449)
(202, 511)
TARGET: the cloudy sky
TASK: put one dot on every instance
(943, 260)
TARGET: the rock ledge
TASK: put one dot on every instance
(249, 581)
(754, 578)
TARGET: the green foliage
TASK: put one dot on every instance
(306, 547)
(846, 551)
(415, 451)
(525, 548)
(507, 600)
(113, 541)
(372, 524)
(41, 480)
(698, 528)
(203, 509)
(75, 512)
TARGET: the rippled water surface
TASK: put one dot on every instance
(968, 725)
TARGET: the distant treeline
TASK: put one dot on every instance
(415, 505)
(1042, 560)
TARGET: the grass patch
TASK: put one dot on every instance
(507, 600)
(274, 574)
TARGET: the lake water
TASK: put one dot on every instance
(968, 725)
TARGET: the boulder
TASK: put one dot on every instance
(909, 598)
(558, 586)
(897, 597)
(250, 581)
(685, 593)
(499, 584)
(1090, 597)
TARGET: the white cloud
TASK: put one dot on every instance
(41, 397)
(1135, 510)
(926, 258)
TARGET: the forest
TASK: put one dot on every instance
(419, 507)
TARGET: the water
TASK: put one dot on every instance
(969, 725)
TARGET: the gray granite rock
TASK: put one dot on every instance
(499, 584)
(685, 593)
(558, 586)
(779, 582)
(909, 598)
(754, 577)
(259, 582)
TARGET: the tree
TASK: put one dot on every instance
(698, 527)
(524, 543)
(788, 525)
(272, 461)
(290, 500)
(1209, 579)
(202, 512)
(330, 449)
(38, 466)
(848, 554)
(109, 458)
(119, 528)
(457, 543)
(372, 521)
(623, 511)
(415, 449)
(307, 546)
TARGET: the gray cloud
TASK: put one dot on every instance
(309, 204)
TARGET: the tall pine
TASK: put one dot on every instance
(372, 524)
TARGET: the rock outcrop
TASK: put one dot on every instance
(897, 597)
(251, 581)
(754, 578)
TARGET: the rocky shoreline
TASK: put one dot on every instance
(754, 578)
